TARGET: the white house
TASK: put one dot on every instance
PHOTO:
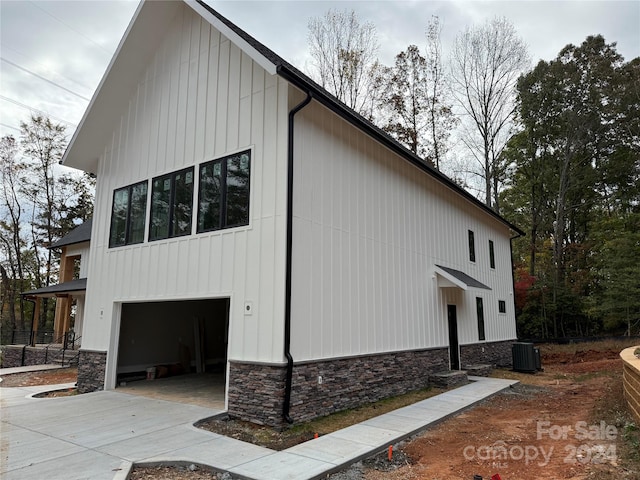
(247, 219)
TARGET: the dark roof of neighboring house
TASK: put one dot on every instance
(302, 81)
(464, 278)
(82, 233)
(77, 285)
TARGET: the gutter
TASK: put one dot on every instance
(287, 299)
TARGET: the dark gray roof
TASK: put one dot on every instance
(77, 285)
(306, 84)
(82, 233)
(463, 277)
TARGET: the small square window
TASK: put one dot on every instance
(502, 306)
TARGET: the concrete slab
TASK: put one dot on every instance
(420, 415)
(331, 449)
(159, 442)
(22, 447)
(222, 453)
(399, 423)
(85, 465)
(283, 466)
(374, 437)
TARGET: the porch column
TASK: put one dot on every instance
(63, 303)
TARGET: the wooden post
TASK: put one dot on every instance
(63, 303)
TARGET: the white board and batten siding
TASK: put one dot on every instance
(200, 98)
(369, 229)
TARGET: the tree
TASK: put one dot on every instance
(11, 241)
(576, 166)
(40, 202)
(343, 53)
(617, 298)
(43, 144)
(486, 62)
(440, 118)
(405, 100)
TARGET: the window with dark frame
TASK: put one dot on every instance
(502, 306)
(128, 212)
(171, 205)
(472, 246)
(492, 255)
(223, 199)
(480, 312)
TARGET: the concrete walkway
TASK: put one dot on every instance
(100, 435)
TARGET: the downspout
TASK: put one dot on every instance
(513, 278)
(287, 293)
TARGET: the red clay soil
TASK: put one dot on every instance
(552, 426)
(44, 377)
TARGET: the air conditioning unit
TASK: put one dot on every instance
(526, 358)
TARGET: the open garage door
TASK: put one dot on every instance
(175, 349)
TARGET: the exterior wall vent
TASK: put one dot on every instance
(526, 358)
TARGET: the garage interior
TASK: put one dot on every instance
(175, 351)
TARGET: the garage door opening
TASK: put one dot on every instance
(175, 350)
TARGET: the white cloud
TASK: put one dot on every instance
(70, 42)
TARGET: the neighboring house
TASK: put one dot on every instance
(70, 291)
(245, 218)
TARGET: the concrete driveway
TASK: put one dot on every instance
(94, 436)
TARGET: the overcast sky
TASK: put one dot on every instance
(54, 53)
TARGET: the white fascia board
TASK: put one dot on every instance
(445, 279)
(255, 55)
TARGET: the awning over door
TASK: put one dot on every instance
(73, 287)
(450, 277)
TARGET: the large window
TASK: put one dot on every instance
(480, 312)
(171, 205)
(472, 246)
(128, 213)
(223, 200)
(492, 255)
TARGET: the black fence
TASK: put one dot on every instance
(44, 337)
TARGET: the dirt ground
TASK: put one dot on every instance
(44, 377)
(568, 422)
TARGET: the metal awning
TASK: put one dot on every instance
(77, 287)
(450, 277)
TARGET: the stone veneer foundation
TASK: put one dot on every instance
(12, 355)
(91, 370)
(256, 391)
(21, 355)
(494, 353)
